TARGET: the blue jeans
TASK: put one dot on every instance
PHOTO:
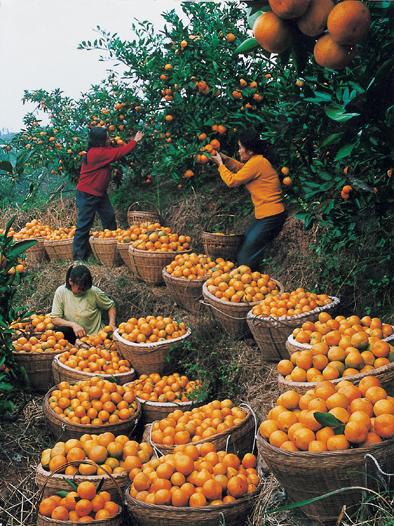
(87, 206)
(260, 232)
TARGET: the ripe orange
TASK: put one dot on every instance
(272, 33)
(356, 432)
(237, 486)
(384, 426)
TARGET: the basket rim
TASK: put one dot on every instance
(36, 353)
(54, 242)
(86, 426)
(61, 476)
(163, 404)
(325, 454)
(212, 437)
(335, 302)
(183, 280)
(210, 296)
(204, 509)
(151, 345)
(67, 368)
(104, 241)
(293, 341)
(160, 252)
(220, 235)
(354, 377)
(71, 523)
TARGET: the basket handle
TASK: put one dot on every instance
(156, 449)
(244, 404)
(76, 463)
(146, 202)
(209, 224)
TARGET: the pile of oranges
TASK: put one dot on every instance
(150, 329)
(83, 505)
(95, 402)
(102, 339)
(291, 303)
(138, 232)
(36, 323)
(324, 362)
(197, 266)
(183, 427)
(241, 285)
(364, 416)
(156, 388)
(95, 360)
(162, 240)
(338, 330)
(195, 476)
(62, 233)
(117, 455)
(107, 234)
(49, 341)
(33, 229)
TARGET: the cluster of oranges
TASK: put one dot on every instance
(117, 455)
(137, 232)
(49, 341)
(107, 234)
(102, 339)
(33, 229)
(212, 147)
(62, 233)
(11, 232)
(183, 427)
(36, 323)
(151, 329)
(291, 303)
(195, 476)
(163, 240)
(95, 402)
(328, 329)
(156, 388)
(241, 285)
(363, 416)
(331, 362)
(197, 266)
(95, 360)
(83, 506)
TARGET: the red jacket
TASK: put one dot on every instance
(95, 173)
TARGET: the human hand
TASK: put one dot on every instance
(138, 136)
(217, 159)
(78, 330)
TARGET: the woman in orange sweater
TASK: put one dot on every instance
(262, 181)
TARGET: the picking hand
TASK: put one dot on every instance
(217, 159)
(78, 330)
(138, 136)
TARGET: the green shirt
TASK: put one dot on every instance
(84, 310)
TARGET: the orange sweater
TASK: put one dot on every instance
(260, 179)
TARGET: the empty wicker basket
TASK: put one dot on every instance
(136, 217)
(147, 358)
(59, 250)
(222, 245)
(106, 251)
(271, 334)
(149, 265)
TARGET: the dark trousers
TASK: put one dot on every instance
(260, 232)
(69, 334)
(87, 206)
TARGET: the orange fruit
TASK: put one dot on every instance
(267, 427)
(384, 426)
(237, 486)
(86, 490)
(355, 432)
(375, 393)
(348, 22)
(368, 381)
(47, 506)
(197, 500)
(303, 437)
(337, 443)
(272, 33)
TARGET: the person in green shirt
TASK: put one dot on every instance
(77, 305)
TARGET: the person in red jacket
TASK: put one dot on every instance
(92, 187)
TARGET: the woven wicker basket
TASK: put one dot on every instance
(384, 373)
(304, 475)
(271, 334)
(58, 250)
(233, 514)
(136, 217)
(146, 358)
(36, 254)
(58, 482)
(224, 246)
(38, 367)
(239, 439)
(152, 411)
(292, 345)
(149, 264)
(185, 292)
(105, 251)
(61, 429)
(118, 520)
(123, 249)
(231, 316)
(63, 373)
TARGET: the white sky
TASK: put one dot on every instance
(39, 40)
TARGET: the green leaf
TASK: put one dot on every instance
(344, 151)
(247, 45)
(100, 485)
(71, 483)
(5, 387)
(331, 139)
(20, 248)
(6, 166)
(329, 420)
(337, 113)
(62, 493)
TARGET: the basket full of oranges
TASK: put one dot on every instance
(94, 405)
(323, 439)
(38, 231)
(186, 274)
(230, 295)
(104, 247)
(145, 341)
(59, 244)
(127, 237)
(275, 317)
